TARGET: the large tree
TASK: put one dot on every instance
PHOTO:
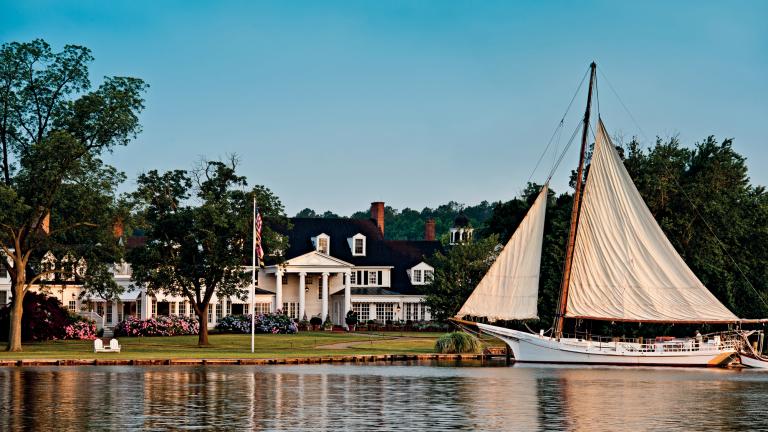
(56, 193)
(198, 234)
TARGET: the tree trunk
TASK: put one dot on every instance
(17, 309)
(202, 318)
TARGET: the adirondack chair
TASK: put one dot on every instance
(98, 346)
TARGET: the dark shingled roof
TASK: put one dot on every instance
(400, 254)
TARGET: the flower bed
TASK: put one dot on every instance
(81, 330)
(173, 325)
(265, 323)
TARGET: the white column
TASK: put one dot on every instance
(324, 315)
(347, 297)
(278, 290)
(302, 293)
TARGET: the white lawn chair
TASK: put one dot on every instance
(98, 346)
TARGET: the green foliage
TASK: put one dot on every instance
(199, 235)
(457, 273)
(457, 343)
(54, 128)
(408, 224)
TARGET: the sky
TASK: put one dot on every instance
(335, 104)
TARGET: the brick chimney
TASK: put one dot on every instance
(429, 230)
(377, 214)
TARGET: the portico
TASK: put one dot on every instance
(303, 285)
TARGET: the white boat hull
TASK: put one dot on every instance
(533, 348)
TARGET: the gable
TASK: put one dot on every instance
(316, 259)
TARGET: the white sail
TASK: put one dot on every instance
(624, 267)
(510, 288)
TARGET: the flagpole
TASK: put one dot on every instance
(253, 279)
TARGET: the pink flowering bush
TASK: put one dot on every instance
(173, 325)
(273, 323)
(81, 330)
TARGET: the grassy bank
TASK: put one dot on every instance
(304, 344)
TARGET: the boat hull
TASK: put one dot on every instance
(533, 348)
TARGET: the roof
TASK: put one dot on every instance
(461, 221)
(399, 254)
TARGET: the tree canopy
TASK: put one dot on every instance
(56, 193)
(198, 234)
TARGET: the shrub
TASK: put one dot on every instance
(316, 321)
(43, 318)
(351, 318)
(457, 343)
(173, 325)
(81, 329)
(273, 323)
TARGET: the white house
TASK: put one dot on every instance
(331, 266)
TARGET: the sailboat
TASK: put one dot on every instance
(619, 267)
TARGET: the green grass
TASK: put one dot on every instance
(304, 344)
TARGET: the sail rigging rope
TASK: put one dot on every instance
(558, 127)
(685, 194)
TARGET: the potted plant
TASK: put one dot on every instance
(315, 322)
(351, 320)
(327, 325)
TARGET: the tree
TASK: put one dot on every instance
(198, 231)
(57, 195)
(457, 273)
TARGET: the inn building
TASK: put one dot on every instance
(331, 266)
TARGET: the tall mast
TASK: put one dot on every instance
(575, 212)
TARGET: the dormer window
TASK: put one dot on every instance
(322, 243)
(421, 274)
(357, 244)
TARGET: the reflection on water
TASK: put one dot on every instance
(381, 397)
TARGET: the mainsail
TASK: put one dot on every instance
(510, 288)
(624, 267)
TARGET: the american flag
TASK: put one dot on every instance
(257, 238)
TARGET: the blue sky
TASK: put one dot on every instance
(334, 104)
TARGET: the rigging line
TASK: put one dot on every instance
(565, 150)
(687, 197)
(559, 126)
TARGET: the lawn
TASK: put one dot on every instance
(304, 344)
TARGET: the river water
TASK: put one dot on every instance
(404, 396)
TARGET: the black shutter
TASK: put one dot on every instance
(379, 279)
(365, 273)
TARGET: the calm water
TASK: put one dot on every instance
(381, 397)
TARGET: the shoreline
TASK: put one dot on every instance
(362, 358)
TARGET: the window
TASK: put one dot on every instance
(173, 308)
(359, 246)
(72, 305)
(423, 311)
(229, 306)
(154, 307)
(110, 307)
(353, 278)
(363, 311)
(183, 308)
(410, 311)
(372, 278)
(322, 244)
(218, 310)
(385, 311)
(210, 314)
(100, 308)
(262, 308)
(291, 309)
(284, 279)
(3, 298)
(416, 276)
(3, 273)
(308, 280)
